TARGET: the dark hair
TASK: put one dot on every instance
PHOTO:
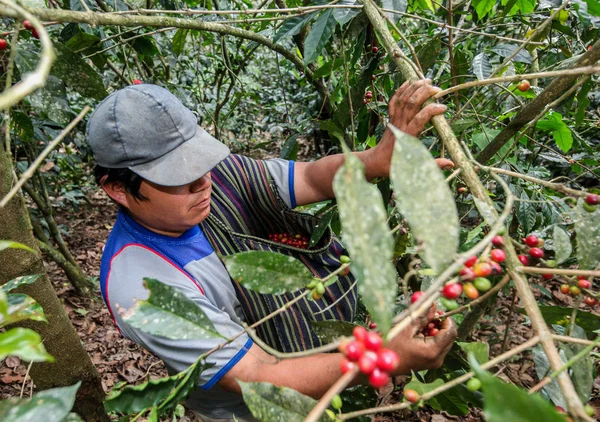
(130, 180)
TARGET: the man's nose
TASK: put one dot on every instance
(200, 184)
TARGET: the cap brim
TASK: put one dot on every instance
(186, 163)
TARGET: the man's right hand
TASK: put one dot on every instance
(417, 352)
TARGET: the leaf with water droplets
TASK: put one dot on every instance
(562, 245)
(425, 200)
(19, 281)
(328, 331)
(51, 405)
(268, 402)
(169, 313)
(587, 227)
(267, 272)
(369, 240)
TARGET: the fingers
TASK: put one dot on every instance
(444, 163)
(394, 100)
(418, 121)
(447, 334)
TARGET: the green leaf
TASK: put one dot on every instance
(562, 245)
(506, 50)
(179, 41)
(81, 41)
(483, 7)
(334, 130)
(321, 226)
(582, 371)
(24, 343)
(448, 401)
(583, 101)
(277, 404)
(423, 388)
(429, 52)
(560, 131)
(289, 149)
(481, 64)
(5, 244)
(342, 16)
(480, 350)
(21, 307)
(562, 316)
(526, 212)
(51, 405)
(19, 281)
(542, 369)
(21, 125)
(369, 240)
(425, 200)
(292, 26)
(145, 47)
(134, 399)
(77, 74)
(328, 331)
(587, 227)
(169, 313)
(267, 272)
(525, 6)
(505, 402)
(318, 36)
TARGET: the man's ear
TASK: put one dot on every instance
(115, 191)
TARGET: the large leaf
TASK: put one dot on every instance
(562, 315)
(505, 402)
(448, 401)
(328, 331)
(179, 41)
(133, 399)
(77, 74)
(481, 66)
(396, 5)
(168, 313)
(425, 200)
(276, 404)
(321, 226)
(267, 272)
(24, 343)
(51, 405)
(369, 240)
(480, 350)
(562, 245)
(342, 16)
(525, 6)
(542, 369)
(5, 244)
(587, 227)
(526, 212)
(19, 281)
(292, 26)
(21, 307)
(318, 36)
(483, 7)
(506, 50)
(560, 131)
(582, 371)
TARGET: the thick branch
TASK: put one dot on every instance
(531, 110)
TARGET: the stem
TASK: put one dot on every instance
(558, 271)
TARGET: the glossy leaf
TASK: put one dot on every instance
(321, 226)
(24, 343)
(369, 240)
(318, 36)
(448, 401)
(267, 272)
(52, 405)
(506, 50)
(77, 74)
(425, 200)
(562, 245)
(587, 227)
(481, 66)
(526, 212)
(289, 149)
(21, 307)
(277, 404)
(5, 244)
(292, 26)
(542, 369)
(560, 131)
(505, 402)
(328, 331)
(582, 371)
(343, 16)
(165, 393)
(19, 281)
(480, 350)
(168, 313)
(483, 7)
(525, 6)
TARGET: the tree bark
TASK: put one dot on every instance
(60, 338)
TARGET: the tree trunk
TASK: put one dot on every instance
(60, 338)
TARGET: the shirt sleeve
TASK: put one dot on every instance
(282, 172)
(125, 284)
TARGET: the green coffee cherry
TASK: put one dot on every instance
(482, 284)
(344, 259)
(336, 402)
(313, 283)
(330, 414)
(589, 410)
(320, 288)
(474, 384)
(588, 207)
(449, 304)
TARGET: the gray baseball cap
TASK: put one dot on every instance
(147, 129)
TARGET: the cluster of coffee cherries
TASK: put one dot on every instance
(433, 327)
(591, 202)
(317, 287)
(582, 283)
(295, 240)
(30, 27)
(535, 252)
(366, 352)
(368, 96)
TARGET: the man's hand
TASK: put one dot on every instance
(417, 352)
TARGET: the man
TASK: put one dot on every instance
(183, 197)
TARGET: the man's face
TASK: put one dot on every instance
(171, 210)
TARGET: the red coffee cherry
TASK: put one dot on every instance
(416, 296)
(35, 33)
(592, 199)
(531, 240)
(374, 50)
(482, 269)
(498, 241)
(548, 276)
(471, 261)
(584, 284)
(359, 333)
(367, 362)
(498, 255)
(3, 44)
(524, 259)
(433, 331)
(536, 253)
(387, 360)
(373, 326)
(452, 290)
(28, 25)
(496, 268)
(346, 366)
(368, 94)
(354, 350)
(373, 341)
(565, 289)
(467, 274)
(590, 301)
(524, 85)
(412, 396)
(378, 378)
(137, 82)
